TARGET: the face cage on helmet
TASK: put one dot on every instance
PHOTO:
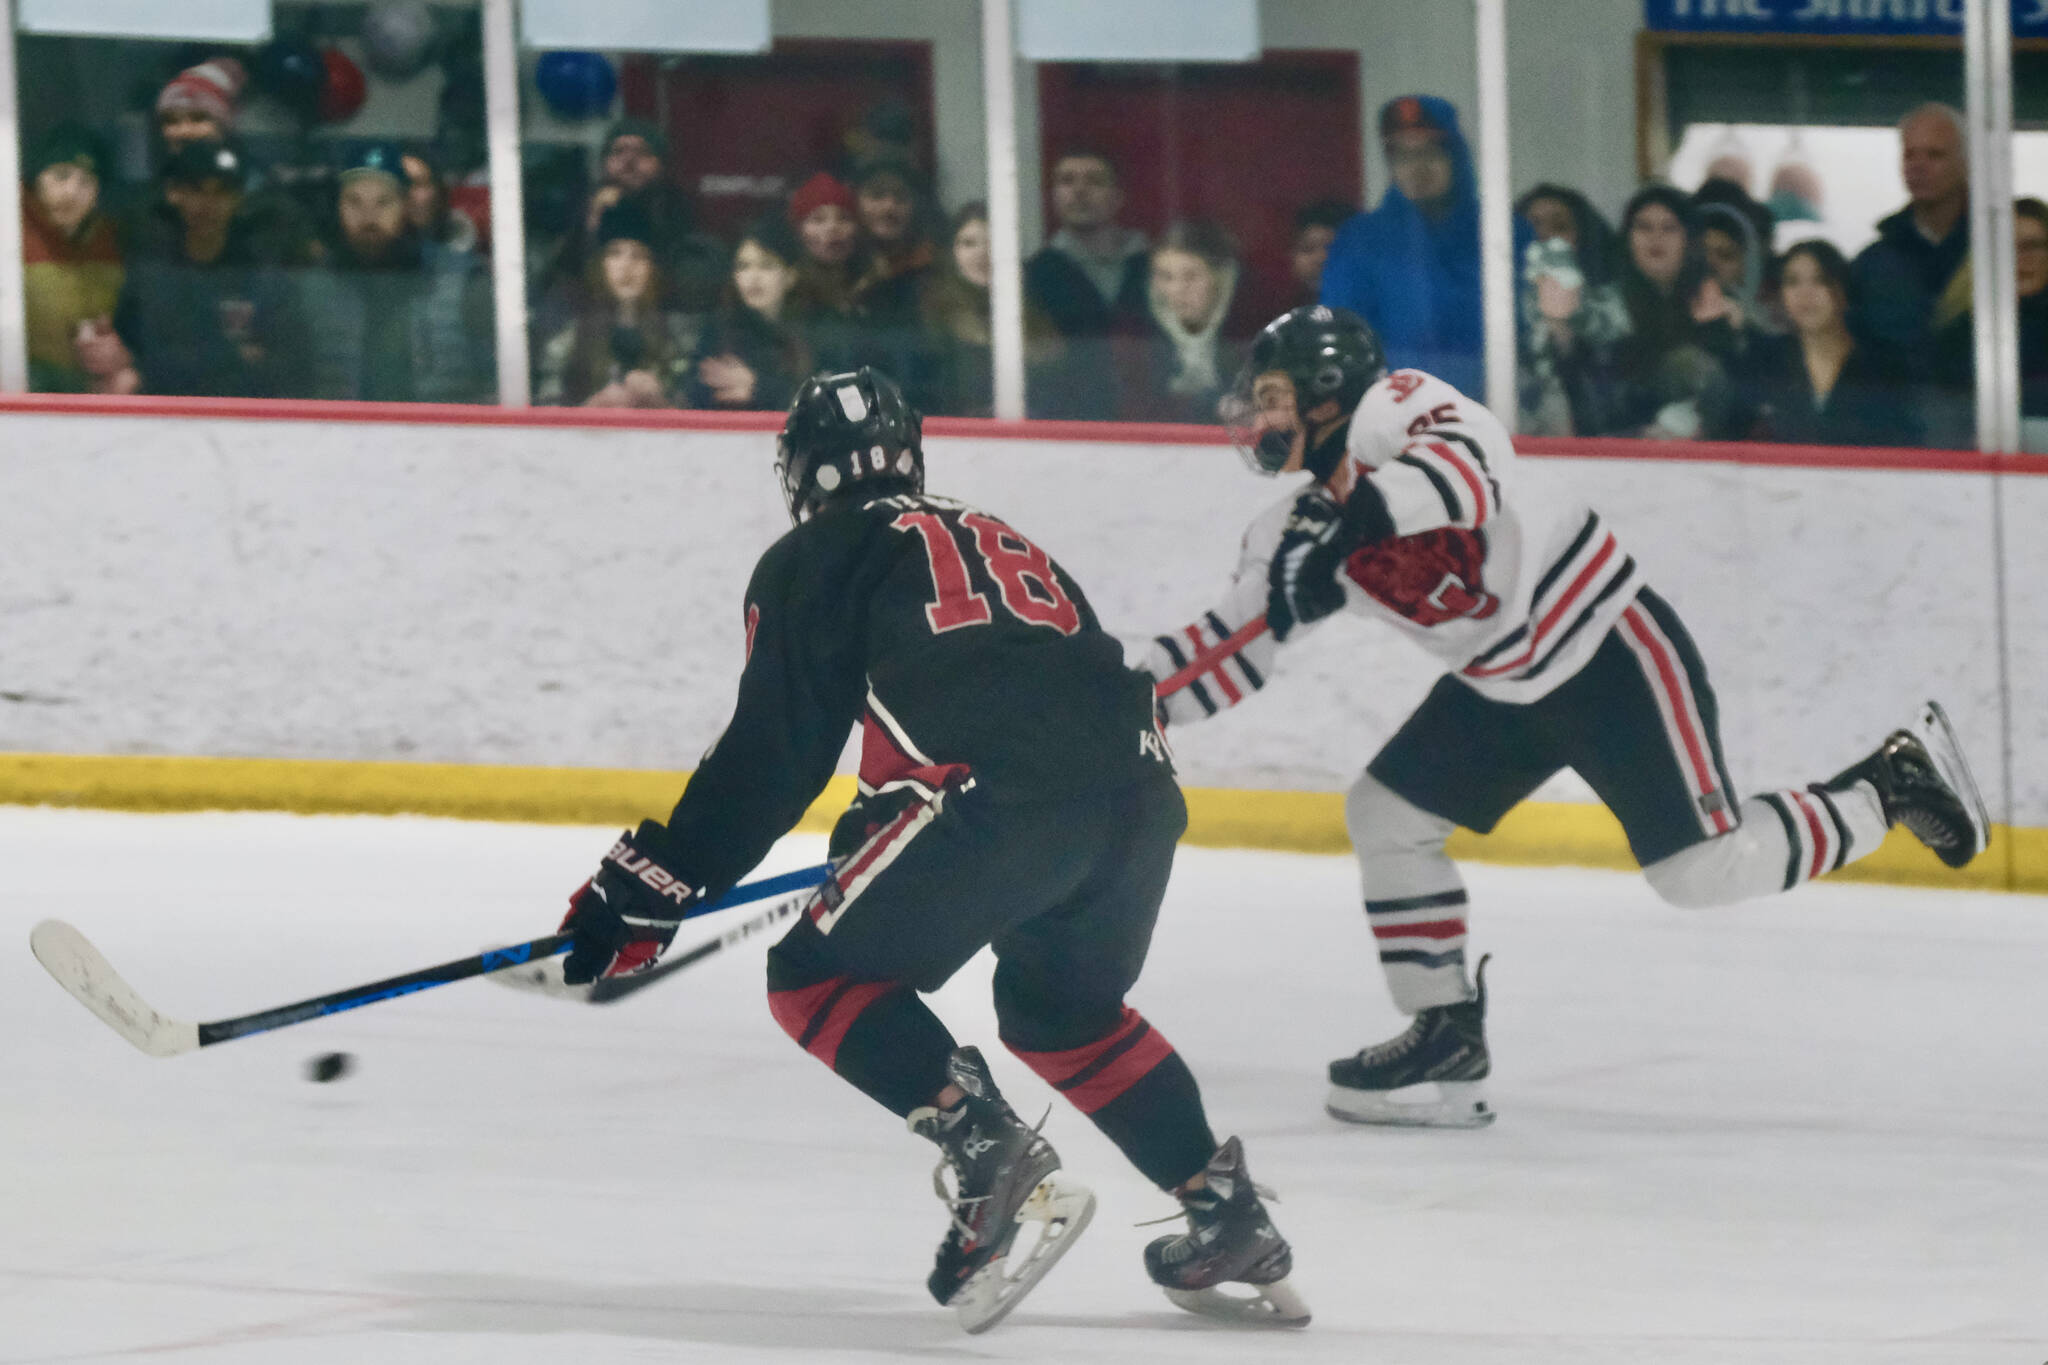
(791, 475)
(1264, 453)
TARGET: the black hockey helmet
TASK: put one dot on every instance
(1332, 356)
(845, 431)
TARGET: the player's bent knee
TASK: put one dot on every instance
(1697, 878)
(1382, 822)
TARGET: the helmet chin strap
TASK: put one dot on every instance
(1323, 457)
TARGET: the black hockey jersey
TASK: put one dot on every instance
(960, 648)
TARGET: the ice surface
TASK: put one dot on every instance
(1806, 1131)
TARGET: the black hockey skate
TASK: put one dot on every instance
(1924, 783)
(1229, 1240)
(1003, 1178)
(1432, 1076)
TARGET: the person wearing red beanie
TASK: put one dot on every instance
(822, 212)
(199, 105)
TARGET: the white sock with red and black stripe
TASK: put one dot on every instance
(1824, 829)
(1421, 941)
(1785, 838)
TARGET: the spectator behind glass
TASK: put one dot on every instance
(633, 168)
(71, 265)
(1090, 274)
(1735, 240)
(1411, 266)
(399, 319)
(893, 258)
(1573, 249)
(1910, 282)
(205, 308)
(1315, 227)
(959, 375)
(893, 251)
(624, 349)
(753, 355)
(822, 212)
(200, 104)
(1817, 385)
(1955, 345)
(1179, 355)
(1650, 354)
(427, 209)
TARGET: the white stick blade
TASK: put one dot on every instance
(539, 978)
(78, 967)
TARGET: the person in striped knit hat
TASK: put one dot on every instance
(200, 103)
(1558, 654)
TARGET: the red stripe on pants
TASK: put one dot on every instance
(1678, 696)
(797, 1012)
(1090, 1082)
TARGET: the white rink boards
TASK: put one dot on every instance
(1812, 1130)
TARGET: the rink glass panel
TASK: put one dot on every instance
(881, 98)
(333, 81)
(1799, 133)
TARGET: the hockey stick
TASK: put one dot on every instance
(82, 970)
(1211, 658)
(615, 988)
(544, 977)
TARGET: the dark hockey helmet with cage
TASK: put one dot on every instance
(845, 432)
(1332, 356)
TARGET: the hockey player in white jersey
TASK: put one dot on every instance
(1558, 655)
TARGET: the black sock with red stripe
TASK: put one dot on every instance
(1138, 1091)
(879, 1035)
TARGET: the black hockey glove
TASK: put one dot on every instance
(627, 913)
(1301, 583)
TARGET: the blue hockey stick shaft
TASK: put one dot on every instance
(495, 959)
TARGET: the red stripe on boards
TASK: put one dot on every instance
(1759, 453)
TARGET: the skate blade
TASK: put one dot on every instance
(1947, 751)
(1432, 1104)
(1061, 1210)
(1268, 1305)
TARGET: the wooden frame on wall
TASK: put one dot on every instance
(1653, 105)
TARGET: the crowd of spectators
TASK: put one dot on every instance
(215, 281)
(1676, 321)
(1684, 323)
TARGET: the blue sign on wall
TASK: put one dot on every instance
(1833, 17)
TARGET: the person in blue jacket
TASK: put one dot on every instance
(1411, 266)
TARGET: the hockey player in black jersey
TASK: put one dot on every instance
(1558, 655)
(1014, 792)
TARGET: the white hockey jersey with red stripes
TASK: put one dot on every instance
(1512, 591)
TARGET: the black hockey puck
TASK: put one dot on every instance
(330, 1066)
